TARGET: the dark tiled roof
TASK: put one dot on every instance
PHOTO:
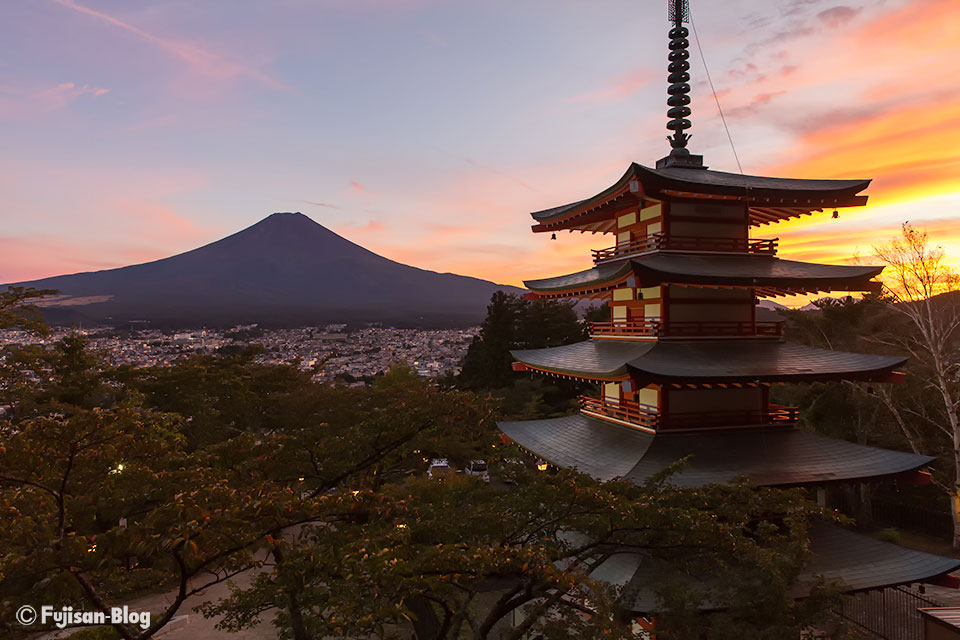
(706, 361)
(557, 212)
(776, 456)
(588, 359)
(746, 360)
(862, 563)
(758, 188)
(858, 562)
(696, 179)
(604, 451)
(597, 276)
(746, 270)
(782, 456)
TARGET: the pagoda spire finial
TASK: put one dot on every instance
(679, 89)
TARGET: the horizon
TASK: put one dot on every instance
(144, 132)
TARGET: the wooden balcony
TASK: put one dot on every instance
(627, 411)
(653, 328)
(661, 242)
(647, 417)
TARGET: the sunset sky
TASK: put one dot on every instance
(427, 130)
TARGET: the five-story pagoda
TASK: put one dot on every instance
(685, 363)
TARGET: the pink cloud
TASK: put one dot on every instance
(200, 60)
(38, 256)
(25, 101)
(357, 187)
(618, 87)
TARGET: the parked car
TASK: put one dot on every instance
(478, 468)
(439, 467)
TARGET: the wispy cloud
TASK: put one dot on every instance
(200, 60)
(325, 205)
(618, 87)
(19, 101)
(838, 16)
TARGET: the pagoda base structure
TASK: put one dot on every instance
(686, 362)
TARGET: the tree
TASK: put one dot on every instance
(488, 360)
(19, 311)
(100, 493)
(923, 290)
(461, 559)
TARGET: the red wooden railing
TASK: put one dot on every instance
(647, 416)
(626, 410)
(659, 241)
(688, 329)
(626, 328)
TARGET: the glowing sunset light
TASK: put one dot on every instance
(427, 131)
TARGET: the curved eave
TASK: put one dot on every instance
(769, 200)
(688, 362)
(783, 456)
(756, 190)
(769, 276)
(853, 561)
(581, 207)
(589, 360)
(592, 280)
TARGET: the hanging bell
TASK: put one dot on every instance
(553, 236)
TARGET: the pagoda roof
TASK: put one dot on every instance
(769, 199)
(706, 361)
(771, 456)
(856, 561)
(768, 274)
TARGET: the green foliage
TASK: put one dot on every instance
(515, 323)
(475, 554)
(890, 534)
(186, 475)
(18, 311)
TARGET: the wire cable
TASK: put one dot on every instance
(715, 98)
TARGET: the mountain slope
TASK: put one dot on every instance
(284, 270)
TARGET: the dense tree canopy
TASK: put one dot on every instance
(112, 480)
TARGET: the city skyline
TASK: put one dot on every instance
(426, 131)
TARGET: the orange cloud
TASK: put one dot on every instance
(910, 152)
(200, 60)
